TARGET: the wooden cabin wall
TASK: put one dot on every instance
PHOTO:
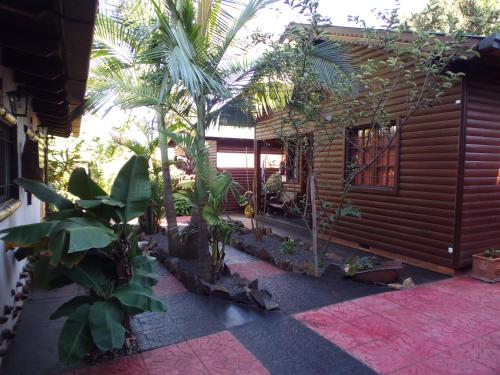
(417, 221)
(480, 217)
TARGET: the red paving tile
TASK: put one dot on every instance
(255, 269)
(451, 363)
(347, 311)
(222, 354)
(447, 327)
(179, 359)
(133, 365)
(168, 286)
(217, 354)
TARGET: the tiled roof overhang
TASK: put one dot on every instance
(47, 43)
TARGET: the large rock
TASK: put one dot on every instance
(309, 268)
(333, 272)
(263, 254)
(263, 299)
(220, 292)
(286, 265)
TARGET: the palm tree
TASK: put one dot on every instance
(197, 39)
(121, 76)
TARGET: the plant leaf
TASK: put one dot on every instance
(30, 235)
(81, 185)
(138, 299)
(69, 307)
(45, 193)
(105, 320)
(132, 187)
(75, 340)
(85, 234)
(89, 275)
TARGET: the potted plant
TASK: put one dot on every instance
(486, 266)
(369, 270)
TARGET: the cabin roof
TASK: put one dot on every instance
(47, 44)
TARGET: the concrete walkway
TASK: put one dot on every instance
(325, 327)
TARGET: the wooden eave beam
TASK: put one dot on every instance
(53, 86)
(47, 68)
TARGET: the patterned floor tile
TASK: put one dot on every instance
(167, 286)
(178, 359)
(481, 350)
(406, 317)
(375, 303)
(133, 365)
(451, 363)
(381, 357)
(222, 354)
(255, 269)
(443, 334)
(347, 311)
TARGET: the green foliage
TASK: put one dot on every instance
(88, 242)
(289, 246)
(357, 264)
(492, 253)
(273, 183)
(477, 17)
(182, 204)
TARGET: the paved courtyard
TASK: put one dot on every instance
(443, 327)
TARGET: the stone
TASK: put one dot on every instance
(309, 268)
(264, 254)
(396, 286)
(220, 292)
(285, 265)
(225, 270)
(333, 272)
(263, 299)
(242, 281)
(191, 282)
(205, 287)
(254, 284)
(408, 283)
(333, 258)
(297, 267)
(242, 297)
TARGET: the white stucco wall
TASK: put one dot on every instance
(26, 214)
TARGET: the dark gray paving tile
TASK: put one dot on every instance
(34, 349)
(235, 256)
(192, 315)
(296, 293)
(286, 347)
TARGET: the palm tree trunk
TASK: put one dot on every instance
(168, 197)
(204, 259)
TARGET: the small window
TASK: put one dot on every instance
(363, 145)
(8, 163)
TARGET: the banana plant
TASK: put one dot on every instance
(90, 243)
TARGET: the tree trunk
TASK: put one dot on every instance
(168, 197)
(204, 258)
(312, 189)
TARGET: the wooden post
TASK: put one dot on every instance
(312, 188)
(257, 175)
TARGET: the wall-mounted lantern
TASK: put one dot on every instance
(19, 102)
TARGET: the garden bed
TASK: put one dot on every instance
(270, 249)
(231, 286)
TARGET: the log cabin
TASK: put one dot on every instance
(435, 199)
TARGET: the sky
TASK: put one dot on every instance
(273, 20)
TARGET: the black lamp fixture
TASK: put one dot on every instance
(19, 101)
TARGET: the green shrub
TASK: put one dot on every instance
(273, 183)
(183, 205)
(289, 246)
(90, 243)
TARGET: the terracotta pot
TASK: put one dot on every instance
(485, 268)
(385, 273)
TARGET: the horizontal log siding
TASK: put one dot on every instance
(480, 225)
(244, 176)
(418, 220)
